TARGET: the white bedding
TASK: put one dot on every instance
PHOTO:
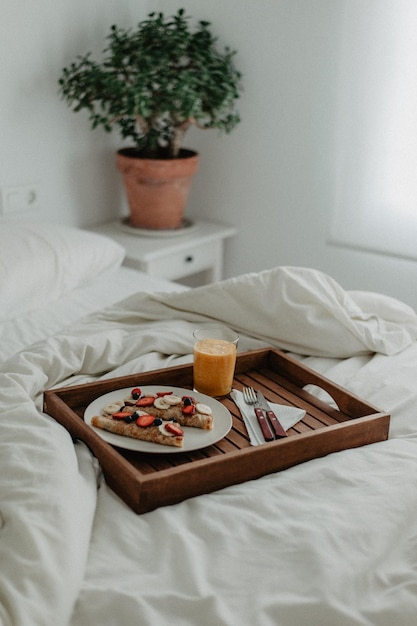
(329, 542)
(113, 285)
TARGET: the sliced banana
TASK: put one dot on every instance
(160, 403)
(113, 407)
(164, 431)
(172, 399)
(203, 409)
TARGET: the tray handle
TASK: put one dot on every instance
(302, 376)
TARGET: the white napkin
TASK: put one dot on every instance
(287, 415)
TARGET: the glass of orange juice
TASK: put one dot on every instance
(215, 349)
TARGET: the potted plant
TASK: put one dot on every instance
(153, 83)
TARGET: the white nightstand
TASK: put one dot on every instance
(174, 257)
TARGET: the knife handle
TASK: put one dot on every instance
(276, 424)
(266, 431)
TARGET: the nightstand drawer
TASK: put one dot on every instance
(189, 260)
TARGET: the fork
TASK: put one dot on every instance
(249, 396)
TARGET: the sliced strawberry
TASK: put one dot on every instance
(188, 409)
(145, 401)
(120, 415)
(173, 429)
(145, 420)
(161, 394)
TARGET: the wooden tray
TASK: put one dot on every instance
(147, 481)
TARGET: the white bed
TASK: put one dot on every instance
(329, 542)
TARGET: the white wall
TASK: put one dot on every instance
(41, 140)
(273, 177)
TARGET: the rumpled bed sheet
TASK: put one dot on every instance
(331, 541)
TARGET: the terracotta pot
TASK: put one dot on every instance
(157, 189)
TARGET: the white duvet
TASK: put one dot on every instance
(329, 542)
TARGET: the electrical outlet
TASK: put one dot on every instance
(19, 199)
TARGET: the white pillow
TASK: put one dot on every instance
(41, 262)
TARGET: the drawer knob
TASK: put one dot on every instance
(189, 258)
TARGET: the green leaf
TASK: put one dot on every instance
(153, 79)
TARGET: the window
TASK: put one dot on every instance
(376, 129)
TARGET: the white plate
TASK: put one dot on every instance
(194, 438)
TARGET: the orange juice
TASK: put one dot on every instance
(214, 366)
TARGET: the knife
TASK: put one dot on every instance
(264, 425)
(275, 423)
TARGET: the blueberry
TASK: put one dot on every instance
(187, 401)
(130, 418)
(157, 421)
(135, 396)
